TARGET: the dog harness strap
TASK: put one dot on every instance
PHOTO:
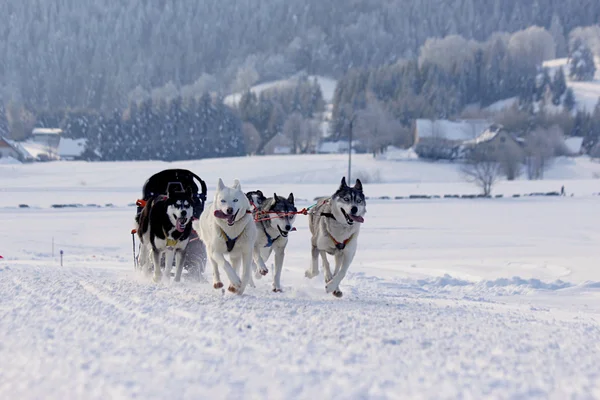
(229, 242)
(328, 215)
(341, 245)
(270, 240)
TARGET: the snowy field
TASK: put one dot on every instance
(486, 298)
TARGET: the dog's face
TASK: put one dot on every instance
(285, 209)
(231, 203)
(348, 203)
(256, 197)
(179, 209)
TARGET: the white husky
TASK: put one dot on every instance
(227, 227)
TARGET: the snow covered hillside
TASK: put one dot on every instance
(484, 298)
(327, 88)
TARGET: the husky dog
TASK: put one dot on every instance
(164, 226)
(275, 218)
(227, 227)
(334, 225)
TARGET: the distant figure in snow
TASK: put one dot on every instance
(562, 190)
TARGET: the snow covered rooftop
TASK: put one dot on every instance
(574, 144)
(71, 147)
(34, 151)
(46, 131)
(487, 135)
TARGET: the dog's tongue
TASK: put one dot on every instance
(180, 225)
(357, 218)
(220, 214)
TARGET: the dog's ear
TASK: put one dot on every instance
(275, 197)
(237, 184)
(260, 194)
(343, 185)
(358, 185)
(291, 198)
(220, 185)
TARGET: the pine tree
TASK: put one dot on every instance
(559, 86)
(581, 63)
(569, 100)
(4, 128)
(543, 84)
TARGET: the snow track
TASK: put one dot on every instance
(446, 299)
(95, 333)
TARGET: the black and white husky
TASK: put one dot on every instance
(334, 225)
(164, 227)
(274, 218)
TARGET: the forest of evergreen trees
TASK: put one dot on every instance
(177, 130)
(97, 54)
(133, 77)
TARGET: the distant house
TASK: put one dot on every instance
(574, 145)
(442, 139)
(496, 139)
(9, 149)
(31, 151)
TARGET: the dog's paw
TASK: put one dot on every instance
(309, 273)
(277, 290)
(261, 272)
(233, 289)
(338, 293)
(218, 285)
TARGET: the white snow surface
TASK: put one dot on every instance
(446, 298)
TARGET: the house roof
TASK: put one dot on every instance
(32, 150)
(46, 131)
(490, 133)
(460, 130)
(71, 147)
(574, 144)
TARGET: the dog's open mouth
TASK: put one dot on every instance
(229, 217)
(351, 218)
(181, 223)
(282, 232)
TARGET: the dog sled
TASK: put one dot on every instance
(161, 184)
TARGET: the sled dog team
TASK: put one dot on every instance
(241, 231)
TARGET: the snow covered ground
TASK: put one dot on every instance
(487, 298)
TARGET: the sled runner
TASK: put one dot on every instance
(160, 184)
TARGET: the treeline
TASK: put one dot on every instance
(169, 131)
(97, 54)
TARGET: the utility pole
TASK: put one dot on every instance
(351, 126)
(350, 152)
